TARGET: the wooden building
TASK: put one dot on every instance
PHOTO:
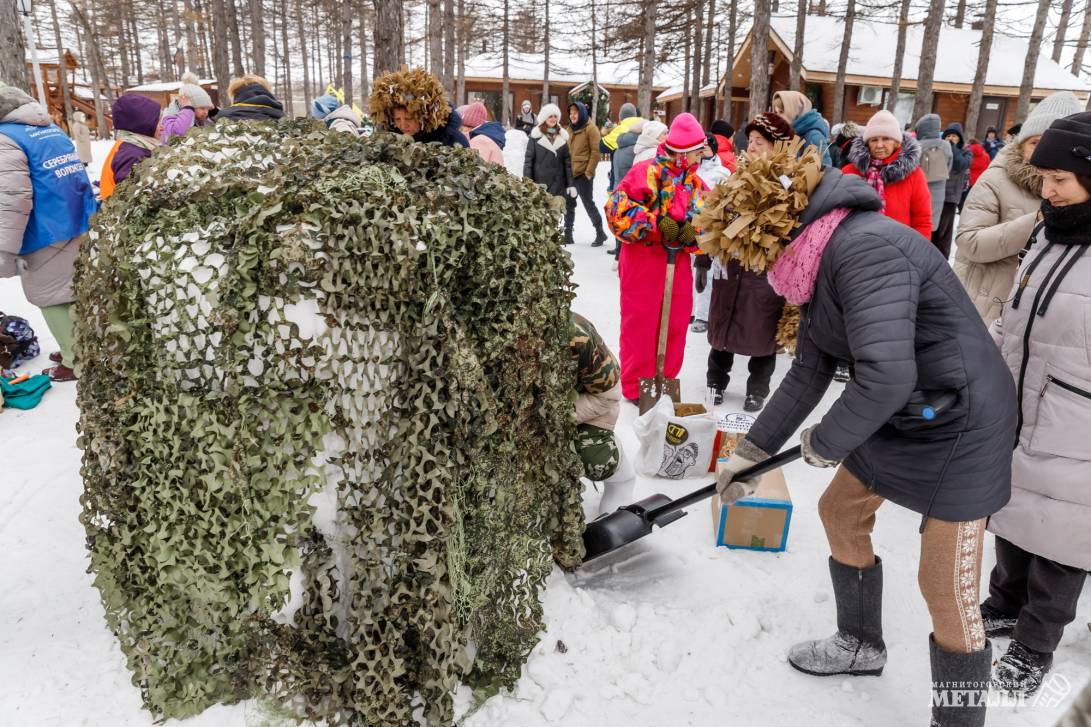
(870, 67)
(569, 73)
(52, 64)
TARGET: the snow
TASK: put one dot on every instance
(874, 45)
(671, 631)
(168, 86)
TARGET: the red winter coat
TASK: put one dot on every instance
(905, 188)
(979, 163)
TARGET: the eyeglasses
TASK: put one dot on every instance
(1082, 151)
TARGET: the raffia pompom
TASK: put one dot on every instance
(751, 214)
(414, 89)
(788, 328)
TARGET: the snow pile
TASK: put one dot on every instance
(515, 150)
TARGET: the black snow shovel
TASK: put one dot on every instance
(631, 523)
(651, 390)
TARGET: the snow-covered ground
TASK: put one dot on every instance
(671, 632)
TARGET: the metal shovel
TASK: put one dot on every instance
(631, 523)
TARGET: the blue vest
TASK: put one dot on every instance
(63, 198)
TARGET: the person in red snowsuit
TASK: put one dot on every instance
(667, 186)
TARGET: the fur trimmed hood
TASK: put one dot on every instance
(562, 138)
(908, 158)
(14, 100)
(1022, 173)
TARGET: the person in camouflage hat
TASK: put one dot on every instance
(598, 393)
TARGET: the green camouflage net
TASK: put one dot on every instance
(326, 416)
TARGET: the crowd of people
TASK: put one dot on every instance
(1003, 331)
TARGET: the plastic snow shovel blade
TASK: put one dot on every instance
(623, 526)
(631, 523)
(650, 393)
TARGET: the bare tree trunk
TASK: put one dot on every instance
(449, 47)
(125, 47)
(932, 24)
(389, 40)
(695, 83)
(960, 13)
(365, 87)
(346, 49)
(759, 59)
(545, 71)
(333, 46)
(505, 84)
(647, 61)
(977, 93)
(234, 37)
(98, 76)
(686, 89)
(435, 38)
(288, 91)
(303, 51)
(193, 59)
(201, 8)
(62, 68)
(165, 65)
(1062, 28)
(13, 69)
(899, 57)
(795, 70)
(710, 24)
(1081, 43)
(220, 66)
(594, 64)
(463, 41)
(1022, 106)
(842, 64)
(257, 21)
(732, 30)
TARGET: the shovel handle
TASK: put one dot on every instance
(775, 462)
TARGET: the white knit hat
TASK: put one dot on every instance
(1054, 106)
(198, 97)
(550, 109)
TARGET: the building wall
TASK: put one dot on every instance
(532, 91)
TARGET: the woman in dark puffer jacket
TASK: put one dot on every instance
(879, 295)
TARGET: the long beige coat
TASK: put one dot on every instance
(1049, 513)
(997, 220)
(82, 136)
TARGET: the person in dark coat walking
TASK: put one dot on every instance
(993, 143)
(744, 311)
(956, 183)
(875, 293)
(548, 161)
(251, 99)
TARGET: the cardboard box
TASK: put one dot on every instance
(758, 522)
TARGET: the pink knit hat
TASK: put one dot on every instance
(473, 115)
(685, 134)
(885, 124)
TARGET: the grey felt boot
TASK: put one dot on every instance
(857, 647)
(960, 685)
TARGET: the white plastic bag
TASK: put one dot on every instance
(671, 446)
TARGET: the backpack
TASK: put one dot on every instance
(18, 343)
(934, 164)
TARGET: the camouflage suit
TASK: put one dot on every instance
(598, 392)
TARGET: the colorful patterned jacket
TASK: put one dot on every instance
(652, 189)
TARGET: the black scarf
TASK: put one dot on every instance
(1067, 225)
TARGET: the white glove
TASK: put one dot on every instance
(729, 490)
(572, 192)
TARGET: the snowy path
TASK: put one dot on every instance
(675, 632)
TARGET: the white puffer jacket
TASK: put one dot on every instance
(1050, 509)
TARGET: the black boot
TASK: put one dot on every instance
(600, 237)
(753, 402)
(960, 685)
(996, 622)
(1022, 669)
(857, 647)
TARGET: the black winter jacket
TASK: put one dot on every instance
(449, 135)
(887, 302)
(253, 103)
(549, 166)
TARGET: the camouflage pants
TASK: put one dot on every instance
(598, 450)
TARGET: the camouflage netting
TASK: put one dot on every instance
(326, 422)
